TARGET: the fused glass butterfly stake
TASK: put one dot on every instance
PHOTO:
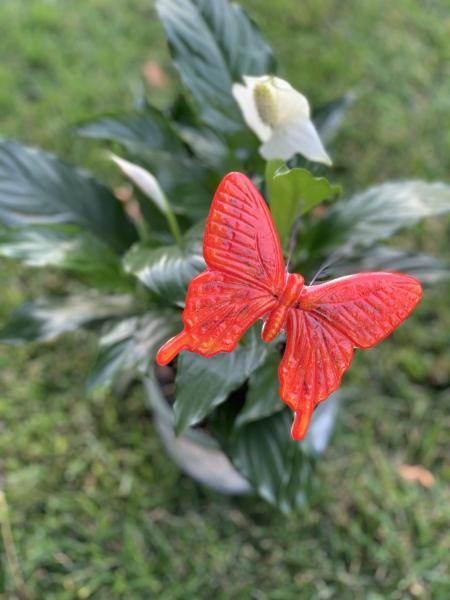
(245, 280)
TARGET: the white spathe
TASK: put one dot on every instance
(143, 179)
(280, 117)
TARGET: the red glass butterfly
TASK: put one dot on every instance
(245, 280)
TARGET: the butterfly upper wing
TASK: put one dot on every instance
(245, 272)
(366, 307)
(333, 318)
(219, 309)
(240, 237)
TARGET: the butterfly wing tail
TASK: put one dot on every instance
(171, 348)
(301, 421)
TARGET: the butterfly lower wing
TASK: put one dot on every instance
(240, 237)
(315, 358)
(219, 309)
(356, 311)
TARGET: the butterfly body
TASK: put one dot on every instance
(289, 298)
(245, 280)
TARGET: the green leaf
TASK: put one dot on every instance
(167, 270)
(187, 185)
(204, 383)
(38, 189)
(148, 129)
(66, 247)
(329, 117)
(426, 268)
(262, 398)
(280, 470)
(204, 143)
(47, 318)
(153, 143)
(220, 151)
(376, 214)
(213, 44)
(129, 347)
(292, 193)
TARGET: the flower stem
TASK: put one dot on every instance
(172, 221)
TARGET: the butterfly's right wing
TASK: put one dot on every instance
(219, 309)
(315, 358)
(333, 318)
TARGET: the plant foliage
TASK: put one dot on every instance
(133, 259)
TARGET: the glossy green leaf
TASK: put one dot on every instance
(129, 347)
(188, 186)
(38, 189)
(263, 398)
(167, 270)
(212, 44)
(66, 247)
(154, 144)
(204, 143)
(280, 470)
(426, 268)
(329, 117)
(204, 383)
(149, 129)
(292, 193)
(376, 214)
(47, 318)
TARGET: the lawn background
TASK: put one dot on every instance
(95, 507)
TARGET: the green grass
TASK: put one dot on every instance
(96, 508)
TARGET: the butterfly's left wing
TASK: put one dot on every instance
(333, 318)
(245, 272)
(219, 309)
(240, 236)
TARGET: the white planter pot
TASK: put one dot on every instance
(199, 455)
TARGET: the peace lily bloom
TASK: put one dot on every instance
(142, 179)
(280, 117)
(149, 185)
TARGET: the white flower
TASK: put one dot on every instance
(142, 179)
(148, 184)
(280, 117)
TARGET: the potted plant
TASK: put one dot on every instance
(135, 251)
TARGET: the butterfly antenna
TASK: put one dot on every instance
(292, 242)
(334, 258)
